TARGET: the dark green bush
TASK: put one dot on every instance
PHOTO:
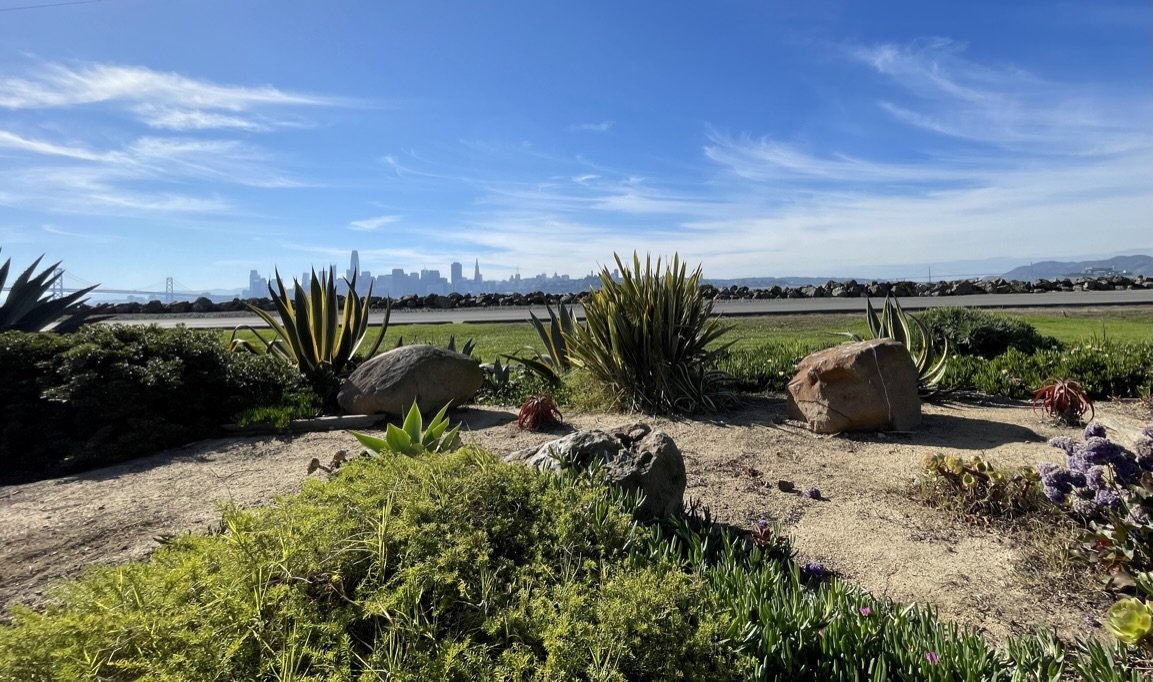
(105, 394)
(972, 331)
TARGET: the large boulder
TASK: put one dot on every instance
(391, 381)
(863, 386)
(633, 458)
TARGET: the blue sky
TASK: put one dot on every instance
(199, 139)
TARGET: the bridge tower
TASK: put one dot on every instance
(168, 296)
(58, 284)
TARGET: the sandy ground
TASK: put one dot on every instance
(865, 528)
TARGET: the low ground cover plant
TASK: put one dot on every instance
(458, 566)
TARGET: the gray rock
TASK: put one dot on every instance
(391, 381)
(863, 386)
(633, 458)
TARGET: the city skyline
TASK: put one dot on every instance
(194, 139)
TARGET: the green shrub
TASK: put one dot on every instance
(105, 394)
(765, 367)
(1104, 368)
(973, 331)
(649, 339)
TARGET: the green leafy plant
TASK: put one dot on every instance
(314, 330)
(1063, 400)
(651, 339)
(1122, 543)
(978, 488)
(930, 354)
(555, 362)
(412, 437)
(1131, 621)
(29, 305)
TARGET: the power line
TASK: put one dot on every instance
(51, 4)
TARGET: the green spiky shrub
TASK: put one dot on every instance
(29, 305)
(555, 362)
(650, 339)
(973, 331)
(315, 330)
(109, 393)
(930, 354)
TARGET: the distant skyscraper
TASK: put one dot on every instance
(476, 273)
(457, 274)
(353, 267)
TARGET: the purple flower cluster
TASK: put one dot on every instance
(1094, 469)
(814, 570)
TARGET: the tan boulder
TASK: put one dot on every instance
(391, 381)
(862, 386)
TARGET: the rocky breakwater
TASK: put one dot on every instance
(831, 289)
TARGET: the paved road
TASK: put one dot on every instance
(728, 308)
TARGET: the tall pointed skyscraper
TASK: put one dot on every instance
(476, 272)
(353, 267)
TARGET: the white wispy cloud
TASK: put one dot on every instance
(372, 224)
(1003, 105)
(14, 141)
(598, 127)
(158, 99)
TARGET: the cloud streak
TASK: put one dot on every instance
(158, 99)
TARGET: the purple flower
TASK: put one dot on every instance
(813, 493)
(1047, 470)
(865, 611)
(1090, 620)
(1094, 430)
(1100, 451)
(1077, 461)
(1065, 443)
(932, 657)
(1083, 507)
(814, 569)
(1107, 498)
(1095, 477)
(1054, 495)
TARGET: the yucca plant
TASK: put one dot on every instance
(649, 338)
(29, 306)
(555, 362)
(930, 357)
(314, 330)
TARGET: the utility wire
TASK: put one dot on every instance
(51, 4)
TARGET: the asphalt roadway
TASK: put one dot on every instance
(744, 308)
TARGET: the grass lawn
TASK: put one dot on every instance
(1070, 325)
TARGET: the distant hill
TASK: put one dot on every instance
(1130, 265)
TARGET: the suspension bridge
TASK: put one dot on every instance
(169, 290)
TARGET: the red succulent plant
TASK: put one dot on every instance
(539, 411)
(1064, 400)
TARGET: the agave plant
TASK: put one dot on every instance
(30, 307)
(1063, 400)
(650, 339)
(930, 358)
(313, 330)
(555, 362)
(412, 437)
